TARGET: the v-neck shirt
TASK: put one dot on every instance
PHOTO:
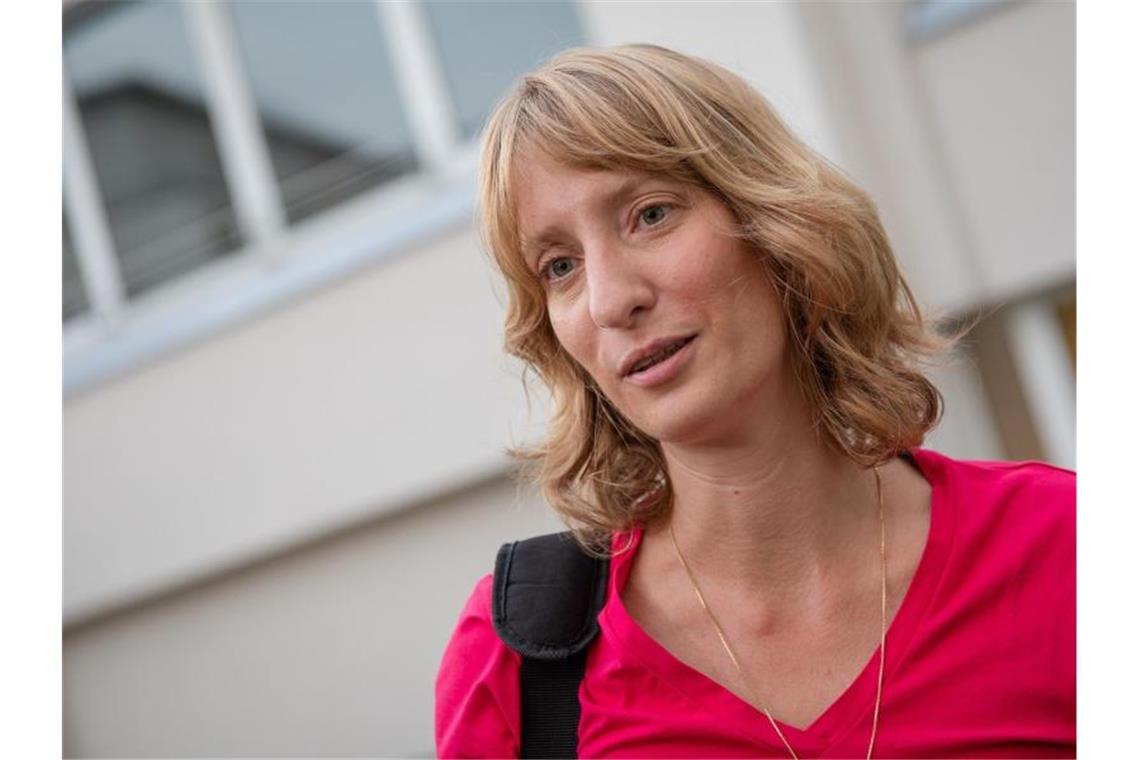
(980, 655)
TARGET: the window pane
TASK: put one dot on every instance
(1067, 314)
(485, 45)
(327, 97)
(154, 155)
(74, 296)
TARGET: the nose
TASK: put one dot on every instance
(619, 289)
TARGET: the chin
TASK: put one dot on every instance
(686, 419)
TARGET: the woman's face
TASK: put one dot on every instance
(674, 319)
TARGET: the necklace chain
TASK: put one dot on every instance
(882, 635)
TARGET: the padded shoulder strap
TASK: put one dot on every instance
(544, 604)
(547, 595)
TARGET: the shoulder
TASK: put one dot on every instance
(1031, 492)
(474, 625)
(1028, 506)
(1033, 487)
(475, 649)
(476, 687)
(1014, 477)
(1004, 598)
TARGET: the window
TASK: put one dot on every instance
(327, 98)
(74, 296)
(148, 134)
(484, 46)
(208, 135)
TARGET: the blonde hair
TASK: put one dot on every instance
(857, 333)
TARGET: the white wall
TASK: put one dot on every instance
(329, 651)
(385, 389)
(1002, 96)
(762, 42)
(966, 140)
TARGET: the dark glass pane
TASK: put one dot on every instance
(156, 162)
(327, 97)
(485, 46)
(74, 296)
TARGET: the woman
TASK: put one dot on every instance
(738, 405)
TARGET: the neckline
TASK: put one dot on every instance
(855, 703)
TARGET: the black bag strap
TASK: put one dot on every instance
(545, 602)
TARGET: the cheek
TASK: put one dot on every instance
(577, 335)
(762, 329)
(709, 265)
(572, 335)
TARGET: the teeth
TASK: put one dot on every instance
(660, 356)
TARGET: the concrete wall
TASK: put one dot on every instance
(1001, 100)
(965, 139)
(380, 391)
(327, 651)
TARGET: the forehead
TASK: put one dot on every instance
(539, 177)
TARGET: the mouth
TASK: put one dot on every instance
(643, 365)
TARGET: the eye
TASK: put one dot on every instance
(558, 268)
(653, 215)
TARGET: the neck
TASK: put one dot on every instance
(774, 515)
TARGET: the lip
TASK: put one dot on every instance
(662, 371)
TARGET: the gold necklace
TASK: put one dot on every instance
(882, 635)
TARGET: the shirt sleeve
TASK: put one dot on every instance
(477, 687)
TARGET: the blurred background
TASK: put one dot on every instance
(285, 402)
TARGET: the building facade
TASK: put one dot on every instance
(286, 409)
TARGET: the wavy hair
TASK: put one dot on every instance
(857, 334)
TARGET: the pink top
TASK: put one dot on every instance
(981, 655)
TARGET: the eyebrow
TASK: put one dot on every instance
(616, 195)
